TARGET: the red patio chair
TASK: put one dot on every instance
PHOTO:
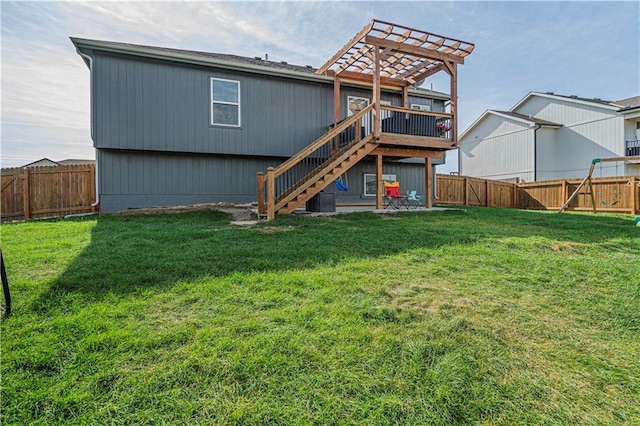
(393, 197)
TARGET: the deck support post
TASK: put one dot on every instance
(428, 180)
(379, 187)
(271, 193)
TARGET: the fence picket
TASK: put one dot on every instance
(611, 194)
(38, 192)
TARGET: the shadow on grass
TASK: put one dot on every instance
(138, 253)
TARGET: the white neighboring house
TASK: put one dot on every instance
(547, 136)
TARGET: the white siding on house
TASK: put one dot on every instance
(548, 160)
(498, 148)
(588, 132)
(568, 113)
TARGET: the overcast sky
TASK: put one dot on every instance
(589, 49)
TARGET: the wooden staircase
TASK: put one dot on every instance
(315, 167)
(323, 176)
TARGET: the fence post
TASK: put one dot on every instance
(26, 194)
(271, 193)
(466, 191)
(486, 192)
(92, 187)
(260, 182)
(632, 190)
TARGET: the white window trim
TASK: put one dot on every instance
(224, 102)
(385, 178)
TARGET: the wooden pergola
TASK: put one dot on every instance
(398, 57)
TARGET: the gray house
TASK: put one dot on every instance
(176, 127)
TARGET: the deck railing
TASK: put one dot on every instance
(633, 148)
(283, 181)
(413, 122)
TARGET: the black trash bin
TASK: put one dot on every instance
(322, 202)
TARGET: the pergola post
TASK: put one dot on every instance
(336, 107)
(376, 92)
(454, 101)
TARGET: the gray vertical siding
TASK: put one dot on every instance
(130, 180)
(142, 179)
(150, 105)
(157, 148)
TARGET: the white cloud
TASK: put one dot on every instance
(582, 48)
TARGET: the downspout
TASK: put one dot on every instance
(535, 153)
(89, 61)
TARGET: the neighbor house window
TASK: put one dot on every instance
(370, 183)
(225, 102)
(421, 107)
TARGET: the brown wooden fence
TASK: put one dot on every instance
(39, 192)
(469, 191)
(614, 194)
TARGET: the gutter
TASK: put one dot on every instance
(535, 154)
(89, 61)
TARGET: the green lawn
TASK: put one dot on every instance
(482, 316)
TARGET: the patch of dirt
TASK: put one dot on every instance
(239, 212)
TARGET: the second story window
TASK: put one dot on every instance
(225, 102)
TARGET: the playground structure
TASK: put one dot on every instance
(589, 187)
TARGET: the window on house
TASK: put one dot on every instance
(225, 102)
(370, 183)
(421, 107)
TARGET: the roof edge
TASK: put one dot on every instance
(532, 122)
(185, 58)
(612, 107)
(138, 50)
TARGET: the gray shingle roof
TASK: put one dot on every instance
(594, 100)
(531, 119)
(210, 55)
(629, 102)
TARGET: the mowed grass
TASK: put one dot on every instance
(481, 316)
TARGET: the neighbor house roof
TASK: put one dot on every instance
(525, 119)
(221, 60)
(629, 103)
(74, 161)
(533, 120)
(43, 162)
(572, 98)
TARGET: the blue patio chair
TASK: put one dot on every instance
(413, 199)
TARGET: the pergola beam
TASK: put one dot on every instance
(345, 48)
(368, 78)
(414, 50)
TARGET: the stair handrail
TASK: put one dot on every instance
(315, 145)
(274, 172)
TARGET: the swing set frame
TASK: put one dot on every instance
(587, 180)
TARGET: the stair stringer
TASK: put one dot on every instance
(324, 177)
